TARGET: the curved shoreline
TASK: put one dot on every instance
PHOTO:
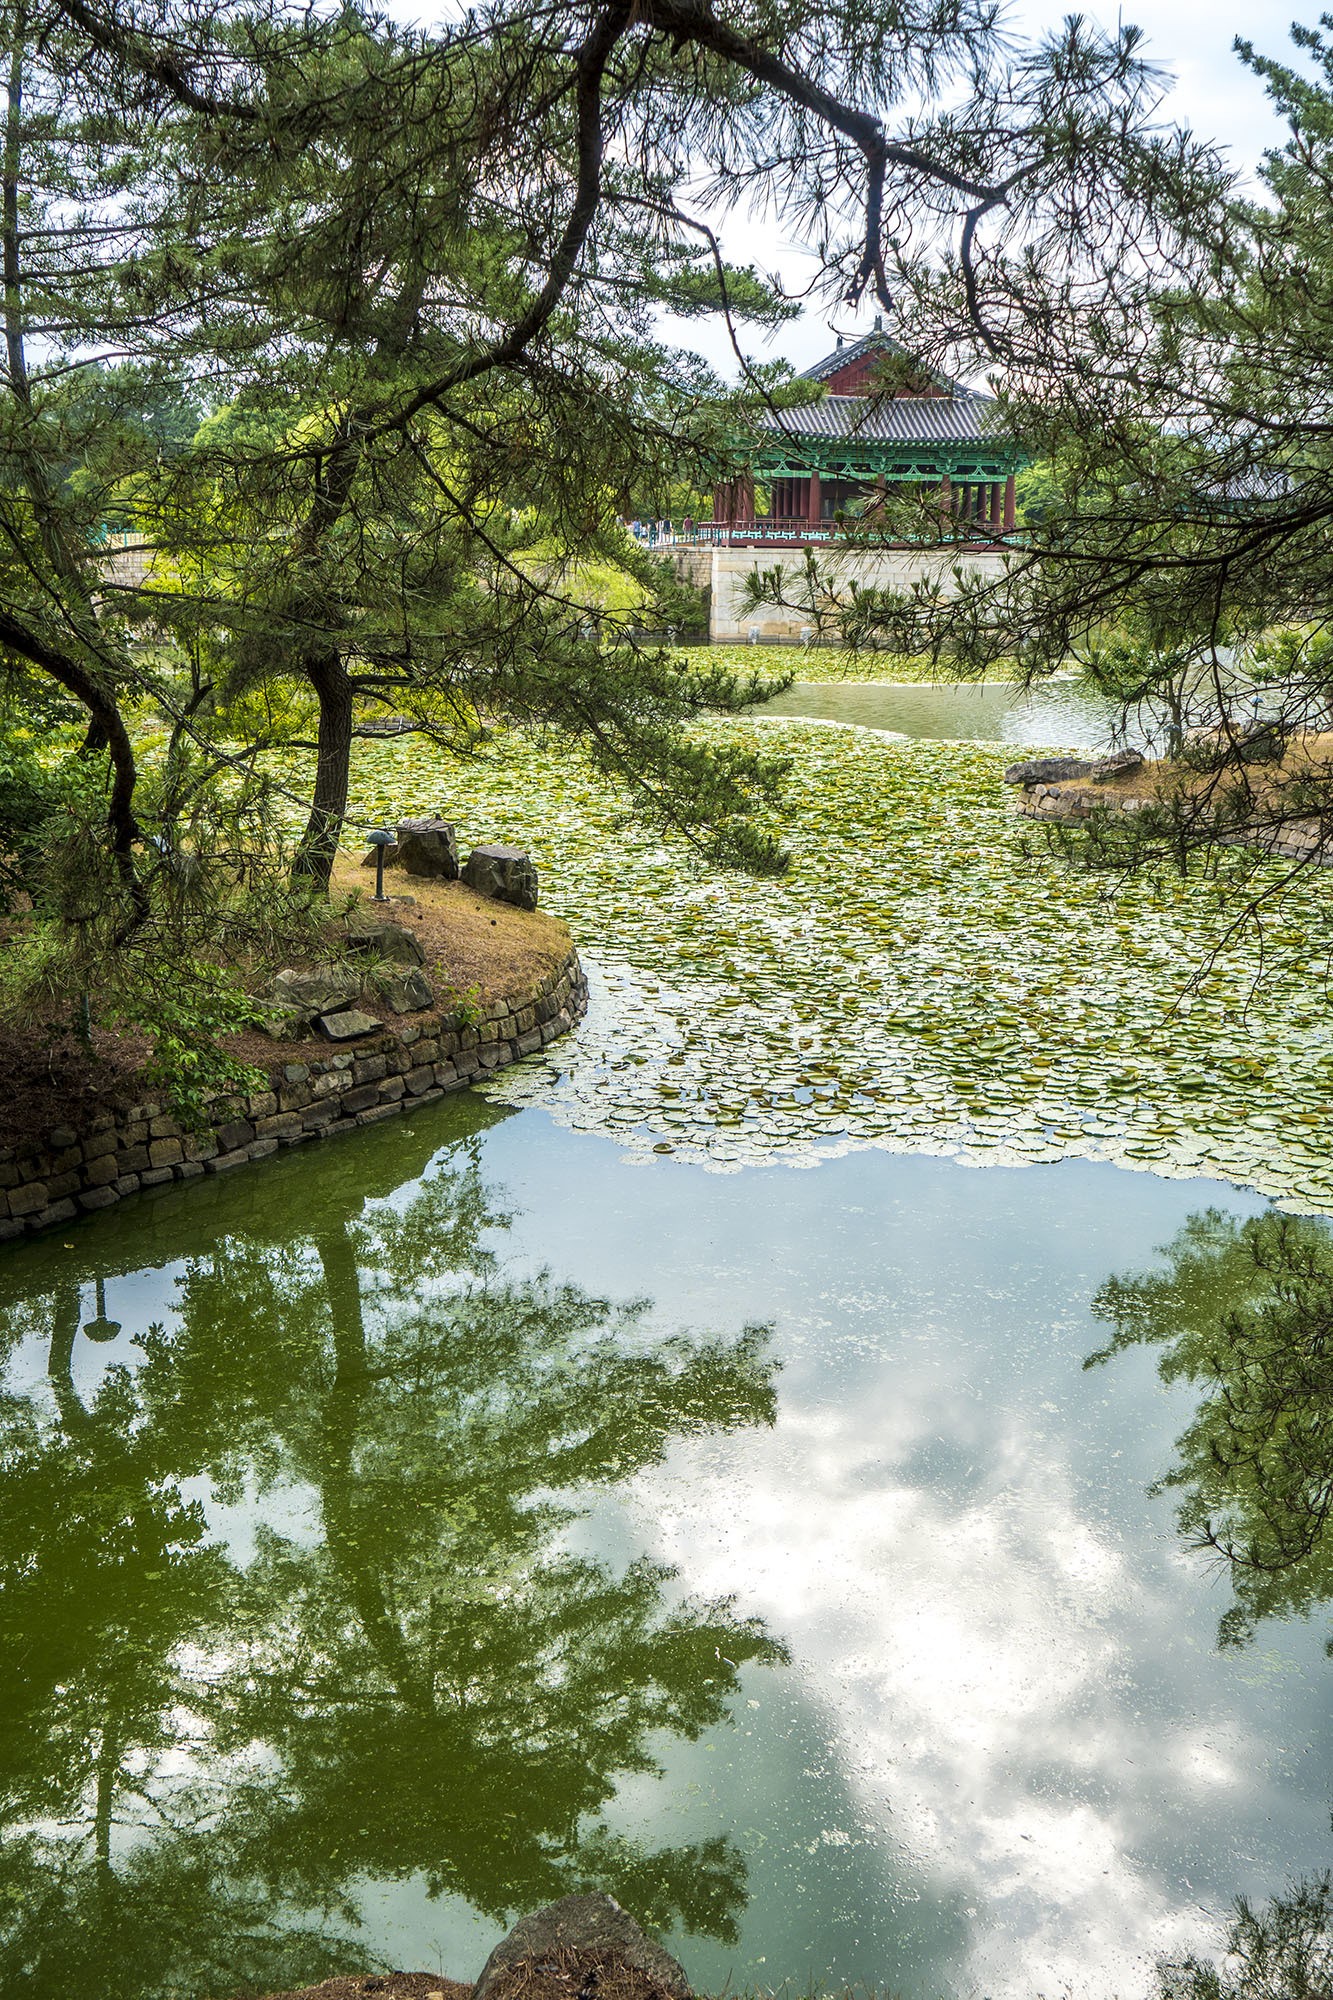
(47, 1184)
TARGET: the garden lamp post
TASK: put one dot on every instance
(101, 1328)
(380, 837)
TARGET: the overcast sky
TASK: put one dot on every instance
(1212, 91)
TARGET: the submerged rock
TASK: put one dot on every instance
(506, 874)
(578, 1924)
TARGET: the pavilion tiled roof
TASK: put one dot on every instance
(956, 419)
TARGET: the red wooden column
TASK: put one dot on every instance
(816, 499)
(946, 495)
(1010, 506)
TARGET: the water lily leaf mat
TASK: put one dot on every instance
(927, 978)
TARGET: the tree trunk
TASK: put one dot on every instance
(313, 861)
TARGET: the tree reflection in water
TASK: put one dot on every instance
(208, 1746)
(1244, 1310)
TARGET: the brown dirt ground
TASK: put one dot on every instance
(470, 943)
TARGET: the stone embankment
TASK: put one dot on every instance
(44, 1183)
(1066, 790)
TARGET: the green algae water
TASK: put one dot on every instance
(406, 1531)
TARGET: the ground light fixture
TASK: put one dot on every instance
(380, 837)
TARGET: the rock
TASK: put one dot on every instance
(347, 1025)
(381, 938)
(428, 847)
(583, 1923)
(1118, 761)
(405, 989)
(389, 851)
(1045, 770)
(284, 1024)
(322, 990)
(506, 874)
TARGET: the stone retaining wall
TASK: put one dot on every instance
(312, 1096)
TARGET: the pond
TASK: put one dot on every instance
(558, 1489)
(411, 1529)
(1061, 712)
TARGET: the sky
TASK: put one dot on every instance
(1210, 90)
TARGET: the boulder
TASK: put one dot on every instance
(404, 988)
(379, 938)
(582, 1924)
(322, 990)
(427, 847)
(506, 874)
(1118, 762)
(1047, 770)
(347, 1025)
(284, 1024)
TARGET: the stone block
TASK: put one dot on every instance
(101, 1173)
(392, 1089)
(100, 1145)
(295, 1096)
(224, 1162)
(404, 989)
(30, 1199)
(59, 1211)
(200, 1146)
(155, 1177)
(9, 1175)
(62, 1136)
(9, 1230)
(348, 1025)
(163, 1127)
(259, 1149)
(296, 1072)
(359, 1099)
(261, 1104)
(528, 1044)
(165, 1153)
(278, 1126)
(320, 990)
(189, 1170)
(377, 937)
(505, 874)
(594, 1923)
(429, 848)
(368, 1069)
(418, 1079)
(233, 1137)
(127, 1184)
(320, 1115)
